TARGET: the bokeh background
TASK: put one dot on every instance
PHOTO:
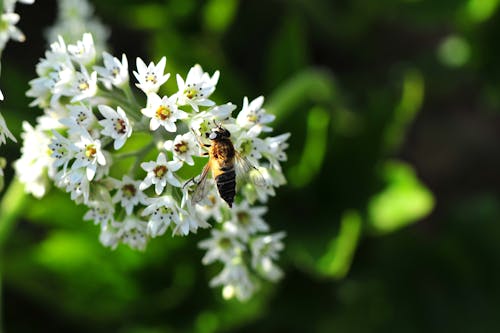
(392, 210)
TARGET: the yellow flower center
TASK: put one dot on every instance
(83, 85)
(243, 218)
(163, 112)
(90, 151)
(160, 170)
(121, 126)
(190, 93)
(151, 78)
(181, 147)
(129, 190)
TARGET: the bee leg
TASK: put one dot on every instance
(189, 181)
(201, 144)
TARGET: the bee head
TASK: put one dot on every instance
(218, 132)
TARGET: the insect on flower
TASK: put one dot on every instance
(225, 163)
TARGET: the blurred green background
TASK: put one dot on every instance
(392, 207)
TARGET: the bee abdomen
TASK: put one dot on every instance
(226, 184)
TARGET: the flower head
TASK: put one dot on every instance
(116, 125)
(163, 112)
(114, 72)
(197, 88)
(160, 173)
(150, 77)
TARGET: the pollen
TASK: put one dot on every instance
(121, 126)
(243, 218)
(129, 190)
(252, 117)
(224, 243)
(90, 151)
(83, 85)
(150, 77)
(181, 147)
(190, 92)
(115, 71)
(160, 170)
(163, 112)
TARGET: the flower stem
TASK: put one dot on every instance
(11, 206)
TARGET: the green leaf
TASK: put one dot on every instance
(403, 201)
(338, 257)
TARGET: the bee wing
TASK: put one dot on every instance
(200, 191)
(247, 171)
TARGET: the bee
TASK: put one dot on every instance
(225, 164)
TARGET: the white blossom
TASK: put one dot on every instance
(246, 221)
(35, 164)
(163, 112)
(116, 125)
(197, 88)
(160, 173)
(114, 72)
(88, 154)
(4, 132)
(183, 147)
(162, 212)
(265, 250)
(83, 51)
(129, 194)
(253, 117)
(150, 77)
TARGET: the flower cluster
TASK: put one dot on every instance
(136, 165)
(8, 30)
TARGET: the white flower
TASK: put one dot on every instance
(249, 147)
(236, 281)
(151, 77)
(246, 221)
(161, 211)
(253, 117)
(62, 150)
(160, 173)
(203, 122)
(1, 96)
(211, 206)
(197, 88)
(114, 72)
(116, 125)
(8, 29)
(35, 162)
(88, 154)
(188, 223)
(133, 232)
(100, 211)
(109, 236)
(275, 151)
(264, 250)
(184, 147)
(76, 183)
(85, 85)
(221, 246)
(129, 194)
(84, 50)
(83, 115)
(272, 178)
(4, 132)
(162, 111)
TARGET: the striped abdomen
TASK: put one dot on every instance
(226, 184)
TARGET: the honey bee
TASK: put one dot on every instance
(225, 164)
